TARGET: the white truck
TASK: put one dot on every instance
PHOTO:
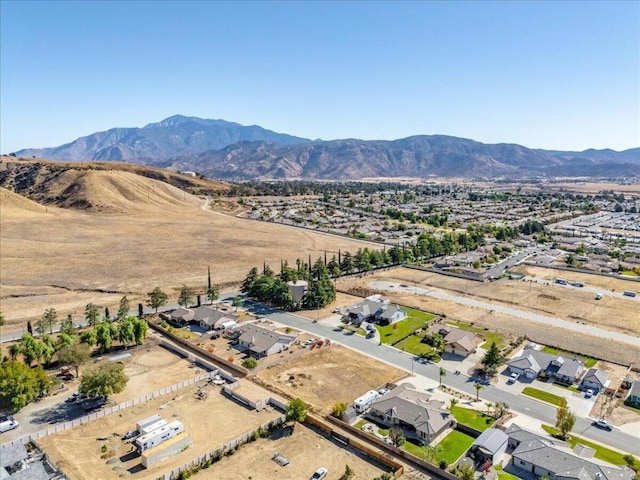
(8, 423)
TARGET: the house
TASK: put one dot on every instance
(263, 342)
(212, 318)
(595, 379)
(414, 412)
(544, 458)
(490, 445)
(634, 394)
(534, 362)
(376, 309)
(457, 341)
(182, 315)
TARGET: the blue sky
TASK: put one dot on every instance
(557, 75)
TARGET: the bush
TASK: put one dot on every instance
(104, 448)
(443, 464)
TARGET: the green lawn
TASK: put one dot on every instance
(542, 395)
(472, 418)
(602, 453)
(390, 334)
(449, 449)
(453, 446)
(488, 335)
(570, 387)
(414, 345)
(588, 361)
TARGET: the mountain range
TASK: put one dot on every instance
(227, 150)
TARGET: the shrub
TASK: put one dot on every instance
(443, 464)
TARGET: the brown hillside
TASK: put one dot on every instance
(102, 186)
(13, 205)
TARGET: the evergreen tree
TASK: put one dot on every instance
(250, 279)
(157, 299)
(123, 309)
(186, 296)
(492, 359)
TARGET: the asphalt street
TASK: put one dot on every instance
(517, 403)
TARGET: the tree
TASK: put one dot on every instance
(15, 350)
(348, 473)
(89, 338)
(296, 410)
(67, 326)
(247, 284)
(105, 380)
(20, 384)
(186, 296)
(249, 363)
(478, 386)
(64, 340)
(630, 461)
(105, 332)
(570, 260)
(49, 319)
(565, 420)
(452, 403)
(140, 328)
(212, 293)
(443, 373)
(492, 359)
(123, 309)
(30, 348)
(437, 342)
(237, 302)
(338, 409)
(1, 319)
(75, 355)
(396, 436)
(157, 299)
(91, 314)
(125, 332)
(465, 472)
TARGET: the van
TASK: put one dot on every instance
(8, 424)
(629, 293)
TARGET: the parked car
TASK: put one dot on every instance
(9, 424)
(598, 296)
(588, 393)
(513, 378)
(603, 424)
(319, 474)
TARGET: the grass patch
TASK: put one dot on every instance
(602, 453)
(355, 329)
(588, 361)
(413, 344)
(629, 273)
(567, 387)
(488, 335)
(390, 334)
(453, 446)
(472, 418)
(504, 475)
(449, 449)
(542, 395)
(631, 407)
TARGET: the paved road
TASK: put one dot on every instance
(514, 312)
(517, 403)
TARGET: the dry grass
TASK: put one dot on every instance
(328, 375)
(164, 240)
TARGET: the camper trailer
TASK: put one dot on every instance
(156, 437)
(363, 403)
(142, 424)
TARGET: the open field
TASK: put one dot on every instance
(78, 451)
(165, 238)
(306, 451)
(605, 282)
(611, 313)
(328, 375)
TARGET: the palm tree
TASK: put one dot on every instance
(452, 403)
(478, 386)
(443, 373)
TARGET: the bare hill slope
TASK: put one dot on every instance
(103, 187)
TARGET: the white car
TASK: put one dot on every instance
(8, 424)
(588, 393)
(602, 423)
(319, 474)
(513, 377)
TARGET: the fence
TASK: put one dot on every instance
(61, 427)
(214, 455)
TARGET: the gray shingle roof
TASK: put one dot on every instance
(491, 440)
(262, 339)
(596, 376)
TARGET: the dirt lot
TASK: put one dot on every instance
(526, 296)
(342, 300)
(605, 282)
(78, 451)
(328, 375)
(306, 451)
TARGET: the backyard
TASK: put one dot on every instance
(450, 448)
(472, 418)
(391, 334)
(488, 335)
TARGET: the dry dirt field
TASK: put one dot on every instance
(78, 451)
(306, 451)
(59, 258)
(605, 282)
(566, 303)
(342, 300)
(328, 375)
